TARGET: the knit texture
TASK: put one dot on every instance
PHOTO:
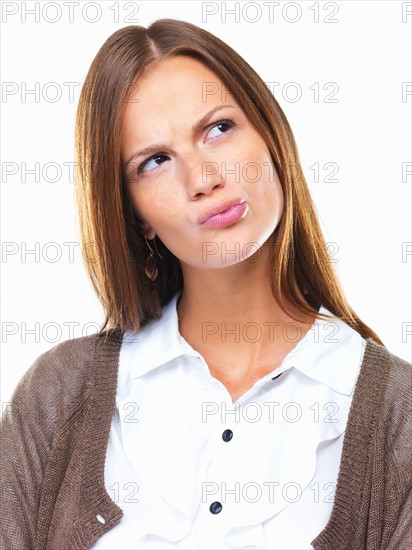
(54, 435)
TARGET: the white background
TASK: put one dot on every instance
(367, 133)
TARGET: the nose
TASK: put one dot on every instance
(201, 174)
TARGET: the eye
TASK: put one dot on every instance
(223, 126)
(147, 163)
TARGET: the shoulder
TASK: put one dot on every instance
(392, 374)
(393, 414)
(400, 368)
(383, 392)
(397, 394)
(59, 378)
(397, 371)
(65, 363)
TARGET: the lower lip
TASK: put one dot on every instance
(228, 217)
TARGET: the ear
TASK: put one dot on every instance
(151, 234)
(147, 231)
(142, 226)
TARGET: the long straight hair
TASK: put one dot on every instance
(114, 248)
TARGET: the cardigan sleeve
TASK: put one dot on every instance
(30, 421)
(402, 536)
(26, 441)
(398, 457)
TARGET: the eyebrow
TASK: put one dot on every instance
(196, 128)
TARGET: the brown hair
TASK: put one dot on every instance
(301, 269)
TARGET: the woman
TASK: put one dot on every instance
(232, 399)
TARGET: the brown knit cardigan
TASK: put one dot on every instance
(54, 435)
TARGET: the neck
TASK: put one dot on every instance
(232, 310)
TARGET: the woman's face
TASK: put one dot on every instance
(192, 148)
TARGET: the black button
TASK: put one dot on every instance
(274, 378)
(227, 435)
(215, 507)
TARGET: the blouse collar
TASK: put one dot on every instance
(315, 355)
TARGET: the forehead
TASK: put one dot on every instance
(176, 80)
(168, 98)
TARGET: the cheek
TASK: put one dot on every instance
(267, 189)
(260, 175)
(158, 210)
(143, 202)
(255, 162)
(274, 191)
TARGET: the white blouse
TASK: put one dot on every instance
(190, 469)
